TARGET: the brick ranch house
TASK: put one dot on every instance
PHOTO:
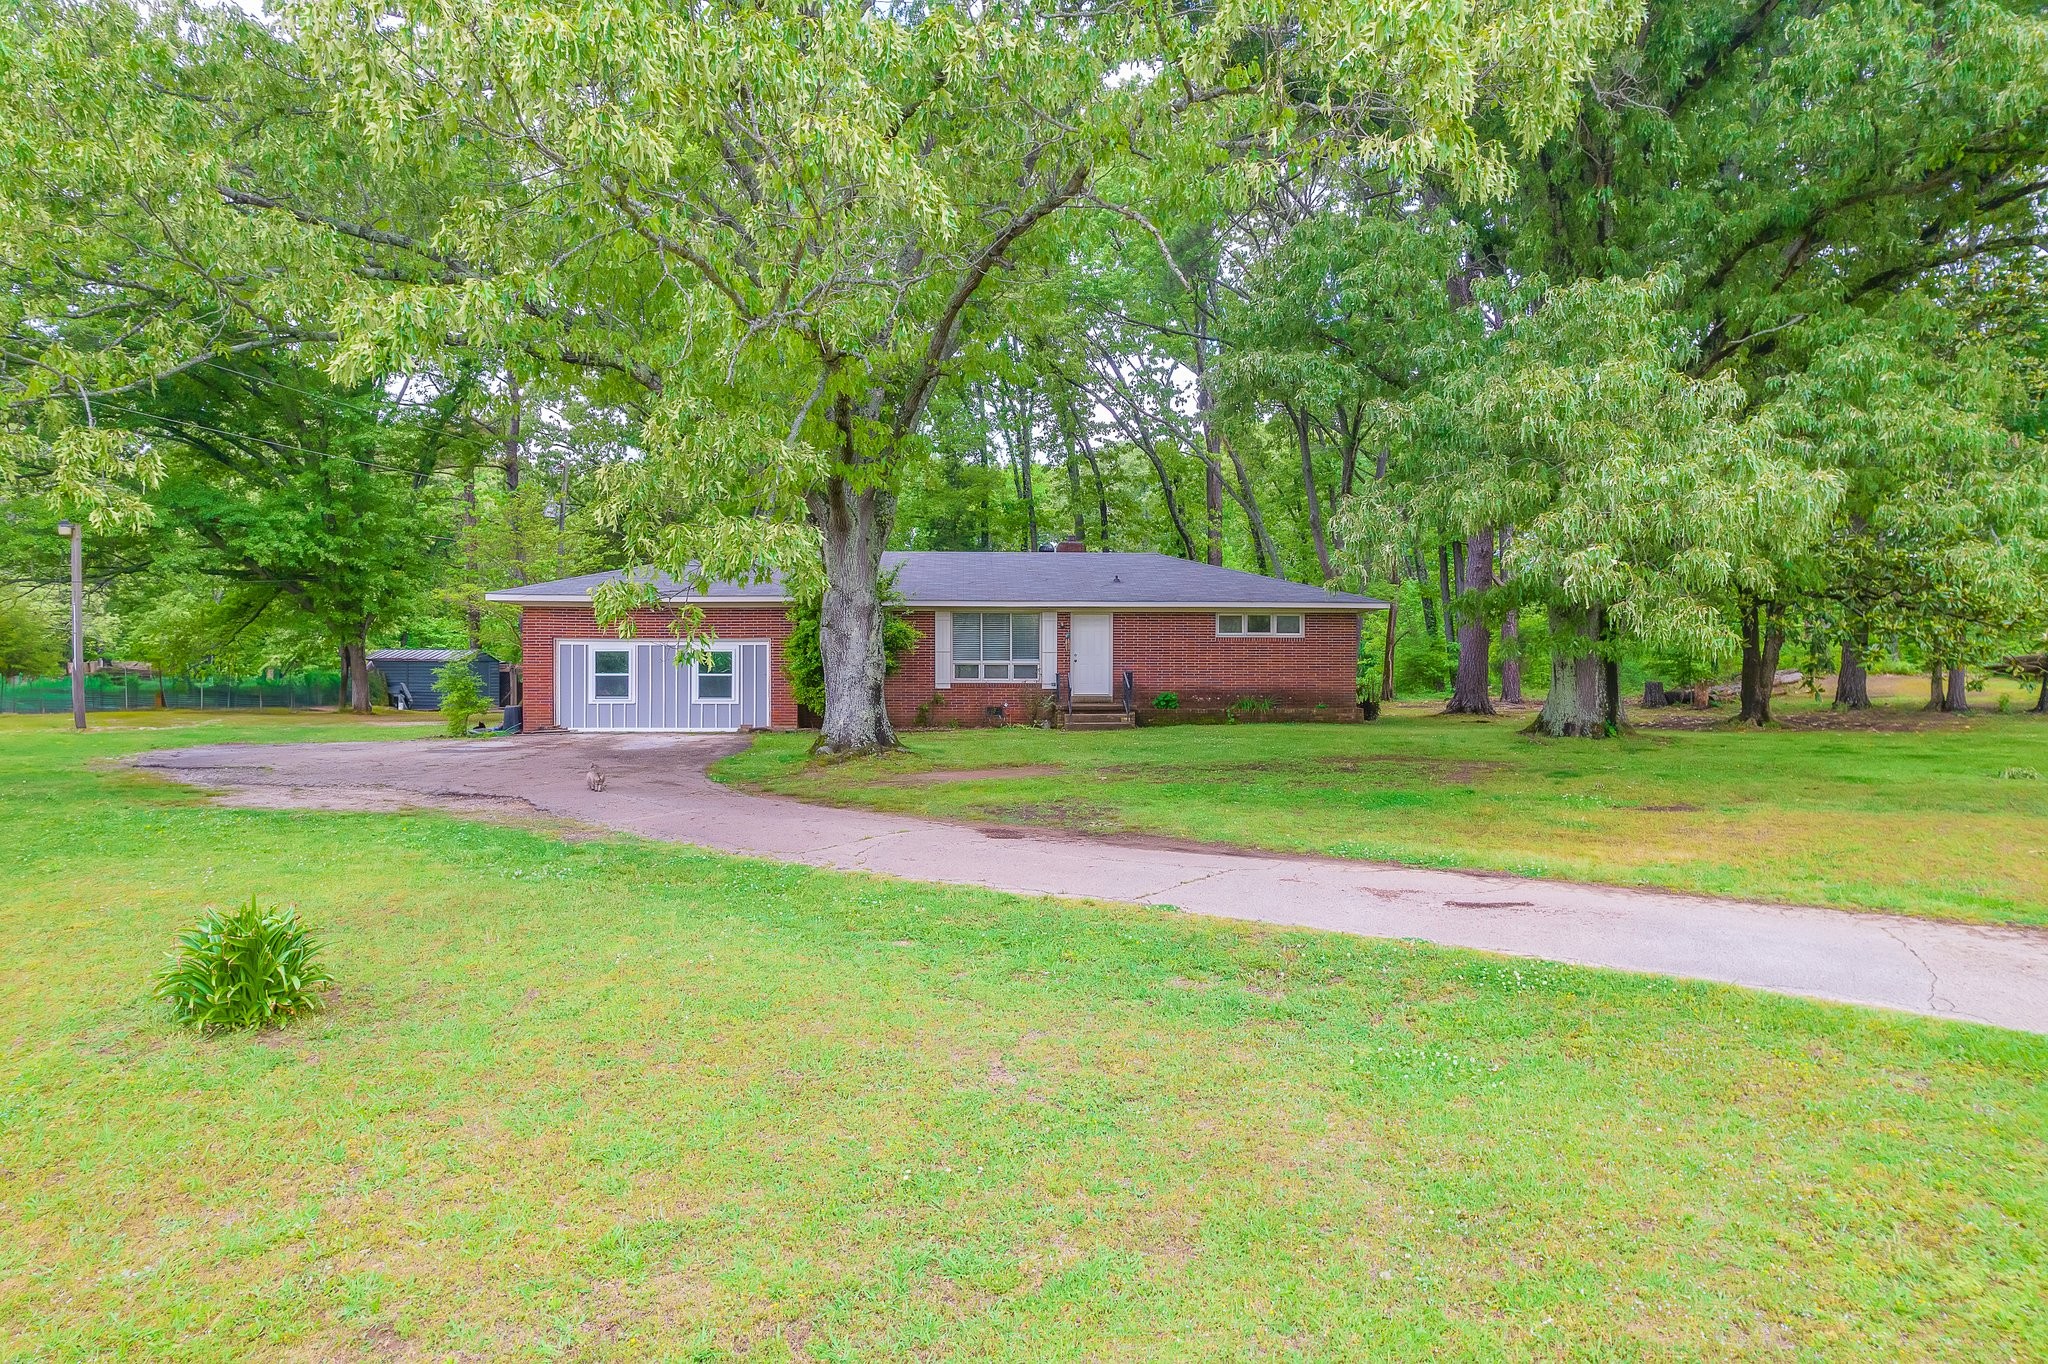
(1002, 638)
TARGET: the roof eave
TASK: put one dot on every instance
(518, 598)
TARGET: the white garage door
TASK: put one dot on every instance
(631, 684)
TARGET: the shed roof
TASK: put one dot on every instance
(418, 655)
(970, 578)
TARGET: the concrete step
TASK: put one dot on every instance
(1101, 719)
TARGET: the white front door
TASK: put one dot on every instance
(1089, 638)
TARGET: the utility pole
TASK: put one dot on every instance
(75, 533)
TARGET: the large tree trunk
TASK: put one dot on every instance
(355, 664)
(1471, 689)
(1577, 705)
(1937, 686)
(1763, 640)
(1852, 680)
(1958, 690)
(853, 527)
(1752, 657)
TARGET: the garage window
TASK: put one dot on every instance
(714, 676)
(995, 646)
(611, 675)
(1259, 623)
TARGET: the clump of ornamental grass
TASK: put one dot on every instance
(245, 967)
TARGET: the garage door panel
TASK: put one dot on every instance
(664, 693)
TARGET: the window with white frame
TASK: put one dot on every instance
(714, 676)
(1259, 623)
(611, 675)
(995, 646)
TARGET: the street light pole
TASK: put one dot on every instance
(75, 533)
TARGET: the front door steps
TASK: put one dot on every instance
(1098, 712)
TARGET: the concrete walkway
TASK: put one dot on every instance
(656, 787)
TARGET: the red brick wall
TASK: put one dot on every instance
(914, 687)
(1180, 652)
(1176, 651)
(541, 626)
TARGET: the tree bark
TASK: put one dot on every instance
(853, 527)
(1937, 686)
(1423, 590)
(1262, 543)
(1958, 690)
(1577, 705)
(355, 662)
(1471, 688)
(1308, 489)
(1752, 652)
(1763, 640)
(473, 605)
(1511, 658)
(1212, 505)
(512, 460)
(1852, 679)
(1510, 627)
(1443, 586)
(1079, 514)
(1387, 662)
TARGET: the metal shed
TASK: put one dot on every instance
(409, 674)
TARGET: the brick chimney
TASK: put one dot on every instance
(1071, 545)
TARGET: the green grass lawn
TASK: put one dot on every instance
(1913, 818)
(613, 1100)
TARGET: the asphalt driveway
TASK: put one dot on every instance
(655, 786)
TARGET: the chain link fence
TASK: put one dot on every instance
(52, 695)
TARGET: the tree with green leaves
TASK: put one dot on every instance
(766, 229)
(1638, 495)
(1802, 172)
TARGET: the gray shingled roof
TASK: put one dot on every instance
(991, 578)
(415, 655)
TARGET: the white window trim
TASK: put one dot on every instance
(625, 646)
(697, 697)
(1300, 625)
(952, 660)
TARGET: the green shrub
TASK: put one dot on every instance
(1167, 700)
(803, 656)
(1248, 708)
(245, 967)
(462, 700)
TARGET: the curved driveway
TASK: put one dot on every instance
(656, 787)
